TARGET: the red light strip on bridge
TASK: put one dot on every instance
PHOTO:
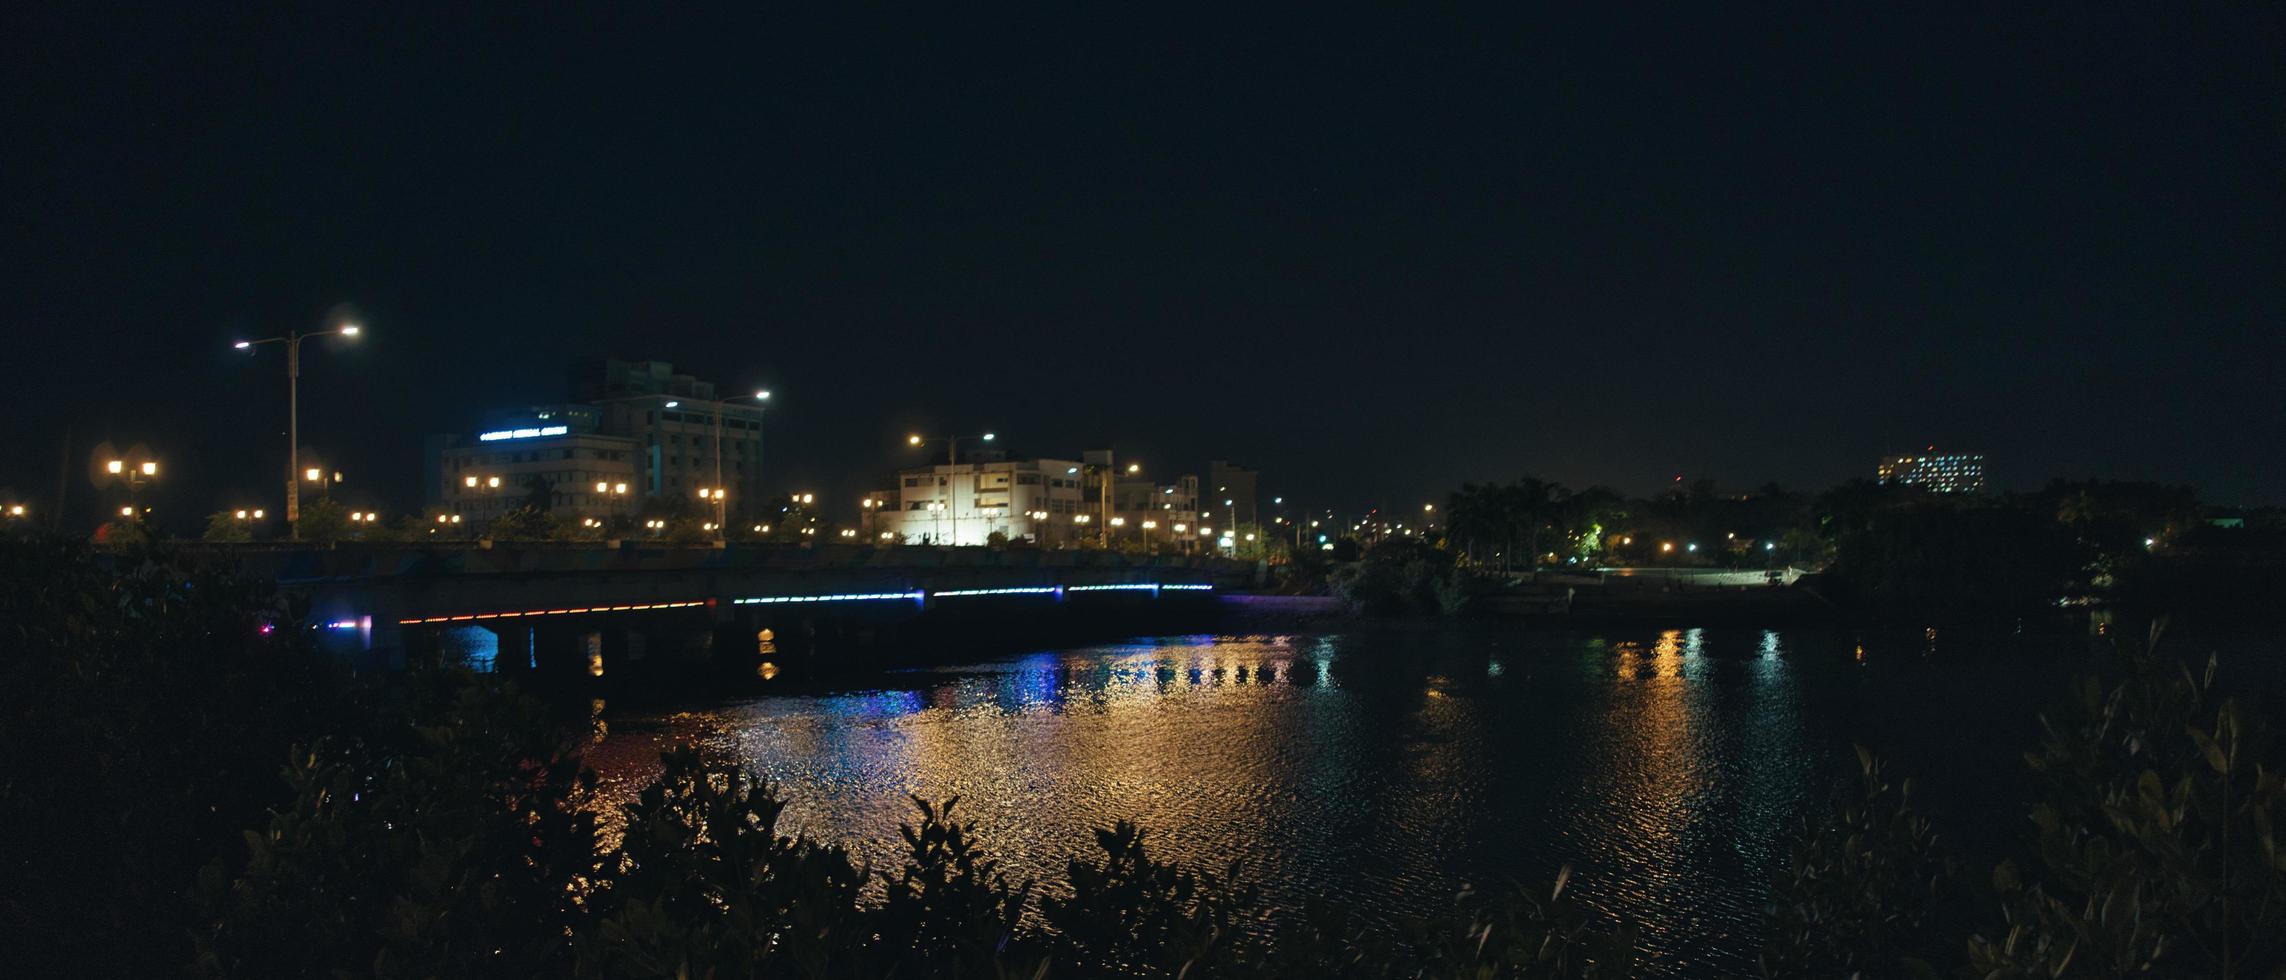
(472, 617)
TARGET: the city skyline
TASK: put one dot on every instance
(1298, 251)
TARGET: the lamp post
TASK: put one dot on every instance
(325, 481)
(293, 341)
(491, 483)
(1232, 527)
(720, 405)
(134, 474)
(952, 444)
(612, 494)
(715, 494)
(952, 459)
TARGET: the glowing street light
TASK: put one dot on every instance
(952, 444)
(293, 341)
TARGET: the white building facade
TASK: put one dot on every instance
(1036, 500)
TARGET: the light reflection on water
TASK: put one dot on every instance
(1383, 769)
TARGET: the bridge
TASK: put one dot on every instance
(564, 608)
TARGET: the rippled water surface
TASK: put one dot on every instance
(1388, 768)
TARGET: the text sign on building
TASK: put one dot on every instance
(552, 430)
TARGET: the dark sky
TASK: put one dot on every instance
(1372, 254)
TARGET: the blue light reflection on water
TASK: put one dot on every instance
(1384, 769)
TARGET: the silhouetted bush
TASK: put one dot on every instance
(1404, 575)
(144, 712)
(1947, 562)
(1860, 887)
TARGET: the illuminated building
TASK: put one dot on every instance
(638, 429)
(1152, 509)
(490, 471)
(1934, 471)
(966, 503)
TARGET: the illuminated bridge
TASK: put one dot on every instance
(562, 607)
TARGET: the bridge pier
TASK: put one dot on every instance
(568, 652)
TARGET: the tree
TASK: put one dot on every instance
(224, 527)
(1527, 506)
(1953, 560)
(1585, 519)
(323, 522)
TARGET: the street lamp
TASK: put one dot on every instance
(952, 444)
(134, 474)
(293, 341)
(612, 494)
(721, 407)
(325, 481)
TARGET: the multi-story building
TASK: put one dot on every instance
(1157, 513)
(1235, 484)
(585, 472)
(1045, 501)
(1934, 471)
(638, 425)
(1035, 500)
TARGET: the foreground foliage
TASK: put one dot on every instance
(183, 790)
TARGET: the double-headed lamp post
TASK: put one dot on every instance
(293, 341)
(720, 405)
(952, 444)
(612, 493)
(133, 474)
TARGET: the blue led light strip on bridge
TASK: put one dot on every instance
(1023, 590)
(916, 595)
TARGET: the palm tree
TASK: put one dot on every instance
(1471, 511)
(1527, 505)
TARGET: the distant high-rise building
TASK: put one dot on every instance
(1934, 471)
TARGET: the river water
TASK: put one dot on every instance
(1386, 768)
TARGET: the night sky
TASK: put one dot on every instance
(1373, 255)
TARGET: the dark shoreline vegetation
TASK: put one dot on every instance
(1866, 554)
(183, 793)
